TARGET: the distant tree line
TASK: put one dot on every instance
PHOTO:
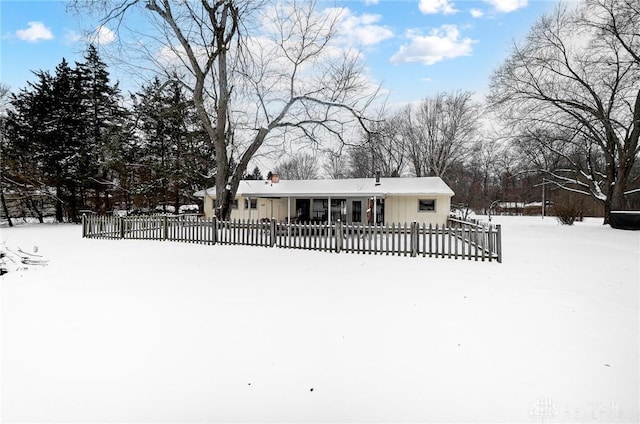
(565, 112)
(444, 135)
(561, 121)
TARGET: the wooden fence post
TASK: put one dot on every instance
(84, 226)
(491, 242)
(214, 224)
(414, 239)
(339, 236)
(499, 242)
(273, 232)
(165, 227)
(121, 225)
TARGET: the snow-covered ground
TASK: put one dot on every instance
(146, 331)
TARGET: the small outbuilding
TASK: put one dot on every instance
(355, 200)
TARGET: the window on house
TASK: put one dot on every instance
(356, 211)
(320, 210)
(426, 205)
(338, 209)
(253, 204)
(234, 204)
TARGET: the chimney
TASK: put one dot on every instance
(377, 178)
(275, 178)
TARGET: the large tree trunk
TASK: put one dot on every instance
(5, 208)
(59, 206)
(105, 190)
(616, 199)
(34, 207)
(73, 204)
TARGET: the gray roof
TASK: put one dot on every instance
(352, 187)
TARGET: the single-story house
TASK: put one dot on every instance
(354, 200)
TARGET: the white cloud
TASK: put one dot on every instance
(441, 44)
(35, 32)
(363, 29)
(370, 2)
(351, 29)
(476, 13)
(103, 35)
(507, 6)
(72, 37)
(436, 6)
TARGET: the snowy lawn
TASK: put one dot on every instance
(148, 331)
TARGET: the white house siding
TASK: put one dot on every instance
(209, 205)
(398, 194)
(272, 208)
(265, 208)
(397, 209)
(404, 209)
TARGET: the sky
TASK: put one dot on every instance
(414, 49)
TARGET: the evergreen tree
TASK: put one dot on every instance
(254, 175)
(175, 157)
(67, 134)
(105, 131)
(44, 129)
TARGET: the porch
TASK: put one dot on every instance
(314, 210)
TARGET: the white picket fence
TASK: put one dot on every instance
(458, 239)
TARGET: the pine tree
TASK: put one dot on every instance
(104, 132)
(44, 129)
(63, 147)
(71, 133)
(175, 157)
(254, 175)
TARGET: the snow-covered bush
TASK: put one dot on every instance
(568, 210)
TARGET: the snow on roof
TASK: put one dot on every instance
(362, 187)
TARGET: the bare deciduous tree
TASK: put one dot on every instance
(571, 89)
(336, 165)
(258, 72)
(388, 147)
(301, 166)
(441, 131)
(617, 19)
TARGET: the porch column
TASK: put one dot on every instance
(329, 207)
(249, 204)
(289, 216)
(375, 210)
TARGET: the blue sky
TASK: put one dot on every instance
(413, 48)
